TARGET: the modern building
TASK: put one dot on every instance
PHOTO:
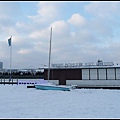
(88, 74)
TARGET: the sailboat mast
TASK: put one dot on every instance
(49, 54)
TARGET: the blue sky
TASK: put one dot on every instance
(82, 32)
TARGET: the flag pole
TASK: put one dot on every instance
(10, 57)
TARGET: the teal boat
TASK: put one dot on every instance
(52, 87)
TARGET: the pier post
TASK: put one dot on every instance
(4, 81)
(17, 81)
(12, 81)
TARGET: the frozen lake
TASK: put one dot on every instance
(18, 101)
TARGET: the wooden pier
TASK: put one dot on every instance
(33, 86)
(8, 81)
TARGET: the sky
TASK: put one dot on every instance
(82, 31)
(18, 101)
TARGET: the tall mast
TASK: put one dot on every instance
(49, 54)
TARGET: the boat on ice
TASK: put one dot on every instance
(48, 85)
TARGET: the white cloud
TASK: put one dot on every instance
(38, 34)
(103, 9)
(60, 28)
(47, 11)
(77, 19)
(24, 51)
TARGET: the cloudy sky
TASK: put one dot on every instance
(81, 32)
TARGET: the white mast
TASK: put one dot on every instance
(49, 54)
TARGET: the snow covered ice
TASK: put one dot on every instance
(18, 101)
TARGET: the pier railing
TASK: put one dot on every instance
(8, 81)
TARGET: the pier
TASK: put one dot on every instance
(98, 87)
(8, 81)
(19, 81)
